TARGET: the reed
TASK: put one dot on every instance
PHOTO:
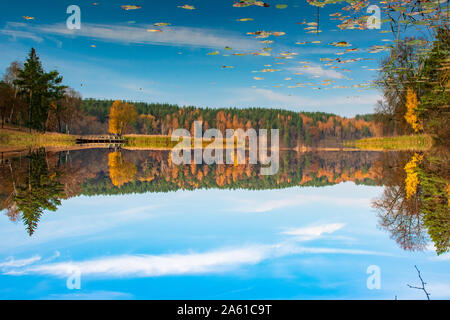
(409, 142)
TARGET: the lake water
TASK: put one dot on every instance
(123, 224)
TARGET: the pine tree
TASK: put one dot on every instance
(39, 89)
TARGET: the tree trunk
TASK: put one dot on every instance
(11, 114)
(29, 111)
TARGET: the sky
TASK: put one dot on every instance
(296, 243)
(115, 56)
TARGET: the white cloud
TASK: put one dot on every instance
(313, 232)
(318, 71)
(138, 34)
(12, 263)
(442, 257)
(21, 34)
(258, 205)
(177, 264)
(154, 265)
(93, 295)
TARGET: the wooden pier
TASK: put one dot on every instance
(102, 139)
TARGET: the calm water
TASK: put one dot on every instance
(131, 225)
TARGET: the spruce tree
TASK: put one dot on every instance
(39, 89)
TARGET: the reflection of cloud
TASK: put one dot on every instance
(173, 36)
(318, 71)
(260, 205)
(177, 264)
(12, 263)
(313, 232)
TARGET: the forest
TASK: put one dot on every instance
(33, 99)
(296, 128)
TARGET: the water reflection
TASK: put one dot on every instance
(35, 188)
(414, 200)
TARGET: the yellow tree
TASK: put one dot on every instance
(121, 115)
(411, 111)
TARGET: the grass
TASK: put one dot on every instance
(157, 142)
(149, 141)
(411, 142)
(10, 137)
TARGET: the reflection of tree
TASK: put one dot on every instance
(409, 207)
(41, 191)
(402, 218)
(120, 171)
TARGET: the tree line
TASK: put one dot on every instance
(296, 128)
(35, 99)
(38, 181)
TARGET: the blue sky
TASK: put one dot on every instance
(128, 62)
(305, 243)
(297, 243)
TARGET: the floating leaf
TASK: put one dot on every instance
(161, 24)
(247, 3)
(130, 7)
(187, 7)
(340, 44)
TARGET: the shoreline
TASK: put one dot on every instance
(13, 140)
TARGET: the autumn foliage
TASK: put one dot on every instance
(411, 115)
(412, 178)
(120, 171)
(121, 115)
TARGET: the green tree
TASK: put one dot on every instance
(434, 93)
(39, 88)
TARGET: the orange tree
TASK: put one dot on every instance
(121, 115)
